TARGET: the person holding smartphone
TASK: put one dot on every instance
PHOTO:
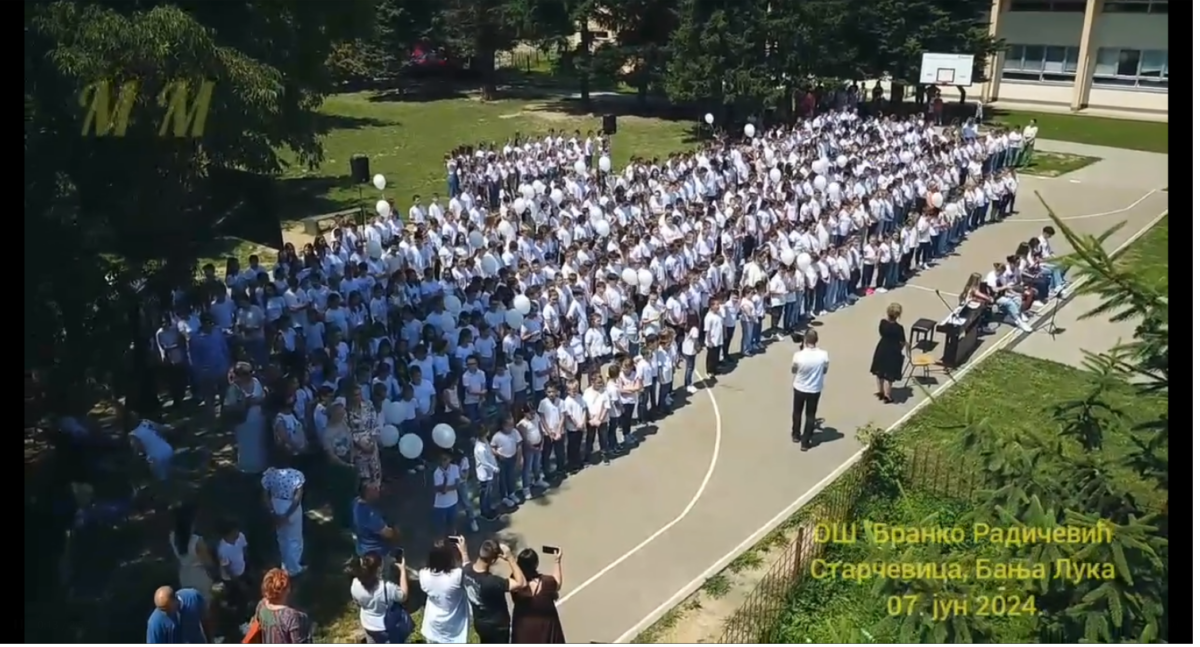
(535, 616)
(488, 592)
(447, 616)
(379, 600)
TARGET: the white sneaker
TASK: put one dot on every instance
(528, 493)
(474, 526)
(420, 467)
(1024, 325)
(541, 483)
(881, 290)
(412, 471)
(692, 389)
(1038, 305)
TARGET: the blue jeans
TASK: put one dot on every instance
(531, 470)
(1055, 275)
(664, 396)
(756, 334)
(464, 498)
(472, 411)
(747, 343)
(506, 479)
(487, 496)
(1010, 307)
(689, 373)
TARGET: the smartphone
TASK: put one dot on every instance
(453, 540)
(551, 550)
(398, 554)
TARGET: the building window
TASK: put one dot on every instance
(1135, 6)
(1040, 63)
(1131, 68)
(1064, 6)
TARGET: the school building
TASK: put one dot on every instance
(1109, 54)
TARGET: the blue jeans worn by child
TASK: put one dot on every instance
(689, 373)
(531, 470)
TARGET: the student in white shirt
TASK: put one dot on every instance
(231, 557)
(714, 337)
(487, 473)
(597, 408)
(505, 444)
(445, 496)
(553, 423)
(809, 366)
(574, 411)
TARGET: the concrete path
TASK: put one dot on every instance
(640, 535)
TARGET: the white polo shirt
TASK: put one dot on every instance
(810, 366)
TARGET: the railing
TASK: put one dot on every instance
(759, 614)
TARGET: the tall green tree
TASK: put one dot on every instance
(641, 32)
(718, 54)
(104, 215)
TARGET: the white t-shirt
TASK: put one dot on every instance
(506, 443)
(373, 605)
(809, 366)
(446, 476)
(232, 557)
(447, 613)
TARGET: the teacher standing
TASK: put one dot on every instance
(809, 366)
(887, 364)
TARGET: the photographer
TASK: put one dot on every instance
(381, 602)
(488, 592)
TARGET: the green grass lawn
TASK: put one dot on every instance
(1098, 131)
(1149, 254)
(407, 142)
(1017, 390)
(1047, 164)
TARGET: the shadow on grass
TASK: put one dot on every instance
(327, 123)
(301, 197)
(622, 105)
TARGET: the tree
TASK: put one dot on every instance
(718, 55)
(641, 31)
(1049, 483)
(105, 216)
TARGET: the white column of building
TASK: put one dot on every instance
(1087, 59)
(990, 90)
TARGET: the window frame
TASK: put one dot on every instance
(1153, 7)
(1111, 76)
(1022, 69)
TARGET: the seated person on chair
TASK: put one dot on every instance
(1006, 294)
(1031, 273)
(1050, 271)
(975, 290)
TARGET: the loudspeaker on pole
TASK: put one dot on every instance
(609, 122)
(360, 168)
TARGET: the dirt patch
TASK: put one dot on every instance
(704, 616)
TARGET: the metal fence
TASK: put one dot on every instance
(758, 616)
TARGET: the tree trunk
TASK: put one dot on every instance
(485, 64)
(584, 67)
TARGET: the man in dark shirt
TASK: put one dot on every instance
(178, 617)
(372, 533)
(488, 592)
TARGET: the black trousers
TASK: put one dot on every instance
(712, 360)
(804, 416)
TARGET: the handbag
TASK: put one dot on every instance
(396, 622)
(254, 633)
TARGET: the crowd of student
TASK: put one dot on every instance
(555, 305)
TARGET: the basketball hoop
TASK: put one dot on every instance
(945, 76)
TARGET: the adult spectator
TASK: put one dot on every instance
(178, 617)
(447, 613)
(279, 623)
(372, 533)
(488, 592)
(809, 366)
(535, 615)
(381, 602)
(194, 559)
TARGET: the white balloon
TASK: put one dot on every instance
(820, 183)
(375, 248)
(629, 276)
(450, 324)
(952, 209)
(452, 304)
(595, 213)
(506, 229)
(379, 181)
(383, 208)
(443, 436)
(489, 265)
(556, 196)
(522, 304)
(527, 191)
(938, 200)
(803, 261)
(842, 161)
(708, 118)
(389, 436)
(645, 278)
(820, 166)
(393, 413)
(518, 205)
(602, 228)
(605, 164)
(749, 130)
(776, 176)
(475, 238)
(539, 187)
(787, 256)
(411, 446)
(514, 319)
(580, 167)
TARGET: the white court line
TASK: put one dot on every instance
(687, 509)
(1088, 216)
(917, 287)
(812, 493)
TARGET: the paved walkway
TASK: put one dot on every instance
(643, 533)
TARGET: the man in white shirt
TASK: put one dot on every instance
(1029, 138)
(714, 337)
(809, 366)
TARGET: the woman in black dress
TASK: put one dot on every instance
(887, 365)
